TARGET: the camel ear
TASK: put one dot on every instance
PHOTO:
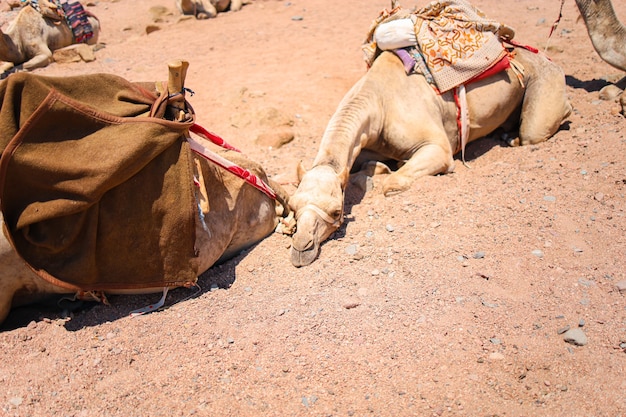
(343, 177)
(301, 171)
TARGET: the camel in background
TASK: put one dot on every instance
(607, 33)
(33, 35)
(205, 9)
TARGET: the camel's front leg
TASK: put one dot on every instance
(430, 159)
(235, 5)
(38, 61)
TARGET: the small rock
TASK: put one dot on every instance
(297, 18)
(152, 28)
(74, 53)
(621, 286)
(351, 304)
(563, 329)
(352, 250)
(575, 337)
(479, 255)
(549, 198)
(16, 401)
(538, 253)
(277, 138)
(389, 228)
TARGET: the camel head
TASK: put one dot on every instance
(318, 208)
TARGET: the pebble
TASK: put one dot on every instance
(16, 401)
(351, 304)
(352, 249)
(297, 18)
(549, 198)
(389, 228)
(538, 253)
(621, 286)
(479, 255)
(575, 337)
(563, 329)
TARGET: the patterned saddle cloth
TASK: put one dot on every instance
(455, 42)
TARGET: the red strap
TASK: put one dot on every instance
(200, 131)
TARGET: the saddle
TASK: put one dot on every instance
(96, 181)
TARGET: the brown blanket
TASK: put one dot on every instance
(96, 194)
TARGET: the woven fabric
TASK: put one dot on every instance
(457, 42)
(77, 20)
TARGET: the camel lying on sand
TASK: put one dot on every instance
(402, 118)
(239, 217)
(32, 37)
(204, 9)
(146, 211)
(607, 33)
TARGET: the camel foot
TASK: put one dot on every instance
(396, 184)
(510, 139)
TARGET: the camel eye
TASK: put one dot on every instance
(336, 214)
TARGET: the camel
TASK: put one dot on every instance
(205, 9)
(235, 209)
(239, 217)
(607, 34)
(31, 38)
(402, 118)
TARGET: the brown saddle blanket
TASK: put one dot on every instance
(96, 193)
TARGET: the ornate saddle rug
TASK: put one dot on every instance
(455, 42)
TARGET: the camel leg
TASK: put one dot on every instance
(209, 11)
(38, 61)
(236, 5)
(545, 104)
(430, 159)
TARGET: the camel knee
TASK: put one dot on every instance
(236, 5)
(545, 106)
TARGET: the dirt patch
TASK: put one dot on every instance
(450, 299)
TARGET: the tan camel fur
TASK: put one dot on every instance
(204, 9)
(607, 33)
(402, 118)
(236, 216)
(32, 37)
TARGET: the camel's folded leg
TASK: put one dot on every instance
(38, 61)
(430, 159)
(236, 5)
(6, 66)
(209, 10)
(545, 104)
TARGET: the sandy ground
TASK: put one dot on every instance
(448, 299)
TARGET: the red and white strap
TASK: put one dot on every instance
(200, 148)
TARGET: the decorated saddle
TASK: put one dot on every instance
(450, 41)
